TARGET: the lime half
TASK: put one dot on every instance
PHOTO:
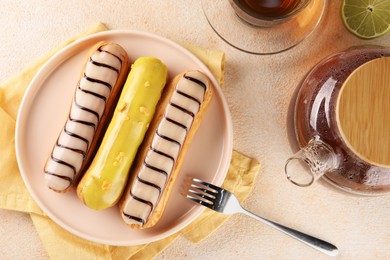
(366, 19)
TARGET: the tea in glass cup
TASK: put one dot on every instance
(271, 8)
(267, 12)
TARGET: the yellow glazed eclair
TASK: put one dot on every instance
(158, 162)
(105, 179)
(96, 94)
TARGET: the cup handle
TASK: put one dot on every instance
(314, 159)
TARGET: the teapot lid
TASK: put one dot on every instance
(363, 112)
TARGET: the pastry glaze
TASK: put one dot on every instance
(151, 180)
(96, 93)
(105, 179)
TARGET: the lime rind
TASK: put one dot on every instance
(366, 19)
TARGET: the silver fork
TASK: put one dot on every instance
(225, 202)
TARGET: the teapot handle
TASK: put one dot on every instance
(315, 159)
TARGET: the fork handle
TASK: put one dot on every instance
(316, 243)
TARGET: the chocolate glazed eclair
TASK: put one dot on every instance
(96, 94)
(158, 161)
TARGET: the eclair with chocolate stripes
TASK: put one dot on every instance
(96, 94)
(160, 157)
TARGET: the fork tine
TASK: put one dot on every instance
(203, 191)
(213, 188)
(201, 201)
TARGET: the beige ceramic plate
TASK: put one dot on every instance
(44, 110)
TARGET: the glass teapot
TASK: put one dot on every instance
(321, 124)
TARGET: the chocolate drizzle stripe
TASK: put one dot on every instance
(63, 163)
(188, 96)
(82, 122)
(168, 138)
(182, 109)
(197, 81)
(149, 184)
(116, 56)
(76, 135)
(162, 153)
(82, 152)
(108, 85)
(176, 123)
(150, 204)
(99, 64)
(86, 109)
(59, 176)
(134, 218)
(92, 93)
(156, 169)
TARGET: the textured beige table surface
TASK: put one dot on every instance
(258, 90)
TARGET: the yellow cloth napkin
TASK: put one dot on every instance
(61, 244)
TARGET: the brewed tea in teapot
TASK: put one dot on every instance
(342, 122)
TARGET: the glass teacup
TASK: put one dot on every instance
(264, 26)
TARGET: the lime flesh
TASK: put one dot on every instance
(366, 19)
